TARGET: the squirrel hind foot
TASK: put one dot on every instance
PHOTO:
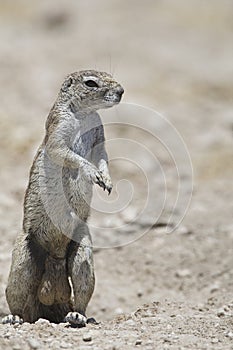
(76, 319)
(12, 319)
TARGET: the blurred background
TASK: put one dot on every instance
(175, 57)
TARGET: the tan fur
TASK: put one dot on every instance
(55, 243)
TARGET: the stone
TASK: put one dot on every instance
(230, 335)
(87, 337)
(183, 273)
(42, 321)
(33, 343)
(221, 312)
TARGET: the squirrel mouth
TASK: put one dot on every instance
(112, 98)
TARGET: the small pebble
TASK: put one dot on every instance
(201, 307)
(179, 317)
(64, 345)
(129, 214)
(214, 341)
(214, 288)
(139, 294)
(7, 335)
(226, 308)
(33, 343)
(130, 322)
(42, 321)
(16, 325)
(167, 340)
(221, 312)
(184, 230)
(54, 325)
(25, 325)
(183, 273)
(230, 335)
(118, 311)
(87, 337)
(16, 347)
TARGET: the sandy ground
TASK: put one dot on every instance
(155, 290)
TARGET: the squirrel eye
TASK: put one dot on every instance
(91, 83)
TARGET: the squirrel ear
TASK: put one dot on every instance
(67, 83)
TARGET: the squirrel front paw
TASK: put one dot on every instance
(107, 183)
(93, 175)
(96, 176)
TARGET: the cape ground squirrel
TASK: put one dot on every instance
(55, 243)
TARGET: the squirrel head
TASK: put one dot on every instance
(90, 90)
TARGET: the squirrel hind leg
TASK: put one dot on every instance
(81, 271)
(23, 282)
